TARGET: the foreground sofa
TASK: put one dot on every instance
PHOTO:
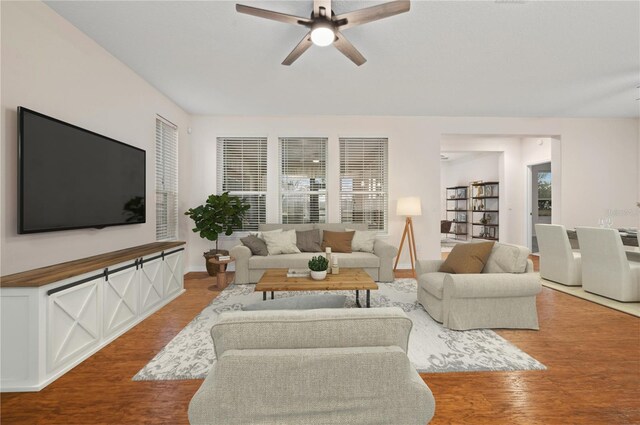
(327, 366)
(502, 296)
(250, 268)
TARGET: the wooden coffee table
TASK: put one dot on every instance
(274, 280)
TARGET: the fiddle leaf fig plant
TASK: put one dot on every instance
(219, 214)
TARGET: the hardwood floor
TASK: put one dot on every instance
(592, 354)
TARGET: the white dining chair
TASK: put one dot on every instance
(606, 270)
(558, 262)
(633, 252)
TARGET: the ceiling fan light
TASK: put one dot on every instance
(322, 36)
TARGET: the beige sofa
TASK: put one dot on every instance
(502, 296)
(249, 268)
(327, 366)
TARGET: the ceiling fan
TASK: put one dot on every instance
(325, 26)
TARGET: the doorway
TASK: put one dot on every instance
(540, 206)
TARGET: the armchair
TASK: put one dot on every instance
(502, 296)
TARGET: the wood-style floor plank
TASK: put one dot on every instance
(592, 354)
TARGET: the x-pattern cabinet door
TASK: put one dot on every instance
(151, 284)
(74, 322)
(173, 274)
(120, 295)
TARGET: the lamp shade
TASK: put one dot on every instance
(409, 206)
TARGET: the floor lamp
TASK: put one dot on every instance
(408, 207)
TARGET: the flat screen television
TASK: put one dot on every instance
(72, 178)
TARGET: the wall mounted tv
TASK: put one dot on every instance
(72, 178)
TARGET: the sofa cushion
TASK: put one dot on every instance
(337, 241)
(357, 259)
(281, 242)
(261, 233)
(363, 240)
(255, 244)
(301, 302)
(433, 283)
(283, 261)
(265, 227)
(301, 260)
(308, 240)
(331, 327)
(467, 258)
(338, 227)
(507, 258)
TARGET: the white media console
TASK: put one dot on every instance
(48, 327)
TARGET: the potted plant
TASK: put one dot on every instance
(219, 214)
(318, 266)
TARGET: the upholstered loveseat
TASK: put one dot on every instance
(502, 296)
(249, 267)
(327, 366)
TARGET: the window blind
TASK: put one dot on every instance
(166, 180)
(364, 182)
(242, 171)
(303, 180)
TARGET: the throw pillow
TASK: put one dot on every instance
(302, 302)
(255, 244)
(467, 258)
(259, 234)
(308, 240)
(363, 240)
(337, 241)
(281, 242)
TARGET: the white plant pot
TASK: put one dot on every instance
(318, 275)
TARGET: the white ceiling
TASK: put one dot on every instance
(489, 58)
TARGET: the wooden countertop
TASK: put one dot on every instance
(49, 274)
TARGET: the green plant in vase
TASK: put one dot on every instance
(318, 266)
(219, 214)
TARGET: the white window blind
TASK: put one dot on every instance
(166, 180)
(242, 171)
(303, 180)
(364, 182)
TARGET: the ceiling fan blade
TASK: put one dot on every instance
(274, 16)
(348, 50)
(370, 14)
(318, 4)
(302, 47)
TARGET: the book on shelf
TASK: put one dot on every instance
(298, 273)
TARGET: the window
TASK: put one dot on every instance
(364, 182)
(303, 180)
(166, 180)
(242, 171)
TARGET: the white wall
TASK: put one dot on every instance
(414, 164)
(50, 66)
(407, 146)
(535, 150)
(599, 171)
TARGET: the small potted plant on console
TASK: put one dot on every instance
(318, 266)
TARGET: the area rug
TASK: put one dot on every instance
(432, 348)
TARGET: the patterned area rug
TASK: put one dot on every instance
(432, 348)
